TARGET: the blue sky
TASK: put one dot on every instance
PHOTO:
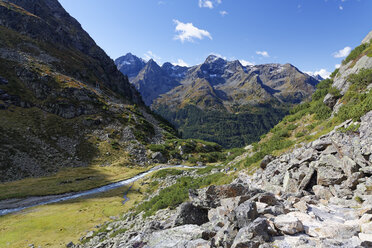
(313, 35)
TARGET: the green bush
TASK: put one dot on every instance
(334, 92)
(321, 111)
(334, 73)
(361, 80)
(352, 128)
(157, 148)
(300, 134)
(356, 104)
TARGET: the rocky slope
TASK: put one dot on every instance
(317, 193)
(62, 100)
(221, 95)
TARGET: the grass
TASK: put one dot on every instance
(178, 192)
(67, 180)
(57, 224)
(167, 172)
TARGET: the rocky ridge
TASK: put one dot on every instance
(221, 95)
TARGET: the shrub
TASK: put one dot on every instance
(321, 111)
(334, 73)
(361, 80)
(334, 92)
(300, 134)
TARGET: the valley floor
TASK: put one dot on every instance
(57, 224)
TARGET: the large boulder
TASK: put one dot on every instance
(189, 214)
(246, 213)
(329, 171)
(158, 157)
(266, 160)
(253, 235)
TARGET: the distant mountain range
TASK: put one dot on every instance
(250, 98)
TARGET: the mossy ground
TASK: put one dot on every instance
(56, 225)
(67, 180)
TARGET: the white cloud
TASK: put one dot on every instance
(223, 13)
(337, 66)
(210, 4)
(205, 4)
(150, 55)
(188, 32)
(180, 62)
(263, 53)
(342, 53)
(341, 8)
(245, 62)
(322, 72)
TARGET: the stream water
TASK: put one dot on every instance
(43, 200)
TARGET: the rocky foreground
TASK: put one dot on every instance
(317, 195)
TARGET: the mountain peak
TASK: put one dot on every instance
(130, 64)
(213, 58)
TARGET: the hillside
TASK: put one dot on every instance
(305, 184)
(63, 103)
(206, 100)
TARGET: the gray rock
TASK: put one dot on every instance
(253, 235)
(289, 183)
(329, 171)
(367, 38)
(321, 144)
(266, 160)
(211, 196)
(189, 214)
(174, 237)
(288, 224)
(246, 213)
(198, 243)
(159, 157)
(349, 166)
(225, 236)
(70, 245)
(322, 192)
(330, 100)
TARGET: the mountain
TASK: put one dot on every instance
(318, 77)
(130, 65)
(154, 80)
(206, 100)
(306, 183)
(63, 103)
